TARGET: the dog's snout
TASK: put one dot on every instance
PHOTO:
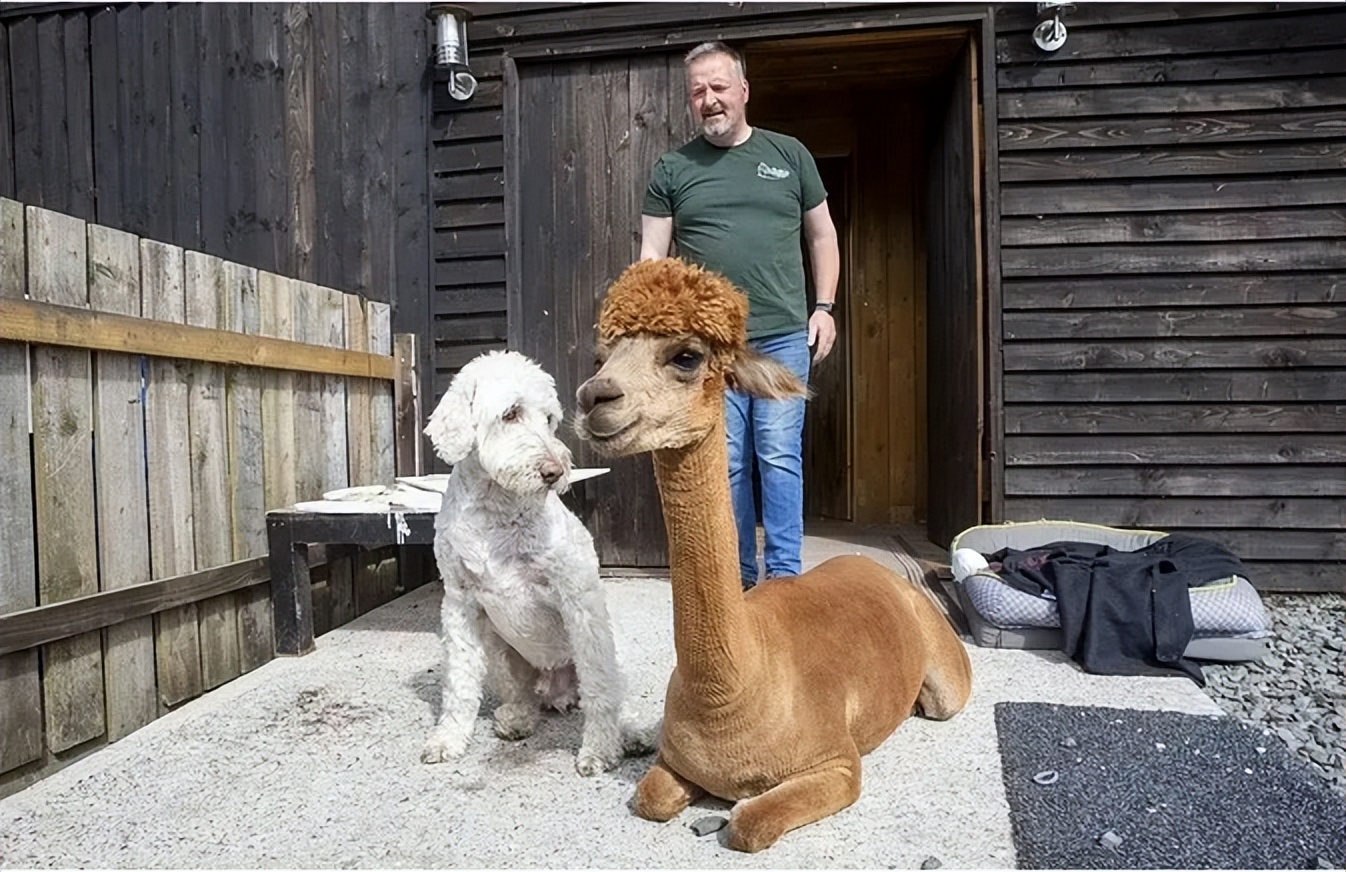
(551, 471)
(595, 391)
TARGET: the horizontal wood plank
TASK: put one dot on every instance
(1232, 226)
(1155, 131)
(1176, 354)
(1251, 321)
(457, 157)
(1176, 418)
(1162, 513)
(1221, 67)
(451, 358)
(469, 300)
(47, 324)
(1210, 482)
(469, 271)
(49, 623)
(1066, 165)
(472, 185)
(1277, 545)
(1201, 194)
(1186, 97)
(1238, 386)
(468, 241)
(472, 123)
(1202, 448)
(486, 213)
(471, 328)
(1022, 17)
(1123, 292)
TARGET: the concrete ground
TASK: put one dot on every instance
(314, 762)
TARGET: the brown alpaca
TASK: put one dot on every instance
(778, 692)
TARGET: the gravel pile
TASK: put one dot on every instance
(1297, 691)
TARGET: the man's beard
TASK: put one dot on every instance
(717, 125)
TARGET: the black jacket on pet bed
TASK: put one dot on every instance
(1122, 612)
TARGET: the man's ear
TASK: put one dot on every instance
(450, 428)
(766, 378)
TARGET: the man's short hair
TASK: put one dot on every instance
(715, 47)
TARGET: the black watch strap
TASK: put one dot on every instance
(823, 307)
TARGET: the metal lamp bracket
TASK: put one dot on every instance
(1050, 33)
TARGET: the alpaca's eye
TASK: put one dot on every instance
(511, 414)
(686, 360)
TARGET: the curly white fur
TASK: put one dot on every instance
(523, 603)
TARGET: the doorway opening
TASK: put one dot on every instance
(894, 433)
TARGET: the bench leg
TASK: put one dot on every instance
(291, 590)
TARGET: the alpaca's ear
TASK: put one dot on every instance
(763, 377)
(450, 429)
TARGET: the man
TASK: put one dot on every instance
(735, 200)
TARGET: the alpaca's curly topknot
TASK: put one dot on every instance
(671, 297)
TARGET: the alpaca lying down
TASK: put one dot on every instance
(523, 602)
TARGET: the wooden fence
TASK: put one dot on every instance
(154, 404)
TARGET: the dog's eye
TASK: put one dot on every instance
(686, 360)
(512, 414)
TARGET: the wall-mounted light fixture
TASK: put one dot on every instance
(451, 48)
(1050, 34)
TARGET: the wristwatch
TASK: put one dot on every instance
(823, 307)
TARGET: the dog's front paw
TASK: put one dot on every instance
(592, 761)
(516, 720)
(442, 746)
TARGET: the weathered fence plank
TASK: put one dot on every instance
(331, 326)
(172, 537)
(379, 322)
(63, 472)
(20, 691)
(209, 447)
(275, 296)
(310, 454)
(123, 499)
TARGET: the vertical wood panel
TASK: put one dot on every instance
(20, 693)
(310, 454)
(123, 499)
(54, 155)
(378, 319)
(25, 91)
(899, 265)
(182, 198)
(327, 102)
(276, 302)
(868, 313)
(216, 125)
(159, 153)
(379, 152)
(355, 159)
(241, 242)
(107, 131)
(299, 154)
(358, 415)
(132, 172)
(172, 525)
(266, 81)
(6, 123)
(209, 447)
(78, 118)
(63, 472)
(247, 465)
(330, 331)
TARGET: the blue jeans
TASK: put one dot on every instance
(772, 433)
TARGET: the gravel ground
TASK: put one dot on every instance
(1297, 691)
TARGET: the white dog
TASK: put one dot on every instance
(523, 603)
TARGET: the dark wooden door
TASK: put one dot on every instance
(955, 326)
(581, 140)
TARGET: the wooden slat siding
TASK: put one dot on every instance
(297, 50)
(63, 475)
(247, 464)
(131, 121)
(1179, 99)
(123, 499)
(1176, 354)
(1197, 448)
(1160, 513)
(275, 298)
(377, 149)
(1251, 321)
(6, 129)
(1168, 130)
(20, 691)
(209, 446)
(1072, 165)
(1173, 195)
(1239, 386)
(1175, 481)
(354, 89)
(1178, 418)
(327, 105)
(1249, 224)
(182, 200)
(1227, 68)
(1291, 254)
(468, 241)
(266, 85)
(1021, 18)
(172, 525)
(1116, 292)
(901, 368)
(470, 300)
(25, 91)
(241, 242)
(158, 109)
(378, 321)
(78, 117)
(310, 454)
(216, 126)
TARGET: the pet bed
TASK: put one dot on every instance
(1230, 622)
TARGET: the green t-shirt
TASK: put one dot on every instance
(739, 211)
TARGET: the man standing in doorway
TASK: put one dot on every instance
(735, 200)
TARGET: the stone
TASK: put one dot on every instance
(931, 863)
(704, 826)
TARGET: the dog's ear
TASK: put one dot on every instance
(451, 429)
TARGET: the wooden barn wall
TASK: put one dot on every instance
(1173, 189)
(1173, 204)
(289, 137)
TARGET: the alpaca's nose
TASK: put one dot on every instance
(551, 471)
(597, 390)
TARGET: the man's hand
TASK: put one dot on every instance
(822, 334)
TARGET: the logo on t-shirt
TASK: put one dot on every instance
(766, 172)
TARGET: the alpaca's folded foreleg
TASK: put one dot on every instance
(663, 794)
(758, 822)
(464, 669)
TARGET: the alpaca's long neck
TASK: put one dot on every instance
(710, 627)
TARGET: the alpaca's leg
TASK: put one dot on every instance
(662, 794)
(757, 823)
(464, 668)
(601, 686)
(513, 679)
(948, 671)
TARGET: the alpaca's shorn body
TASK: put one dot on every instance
(776, 693)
